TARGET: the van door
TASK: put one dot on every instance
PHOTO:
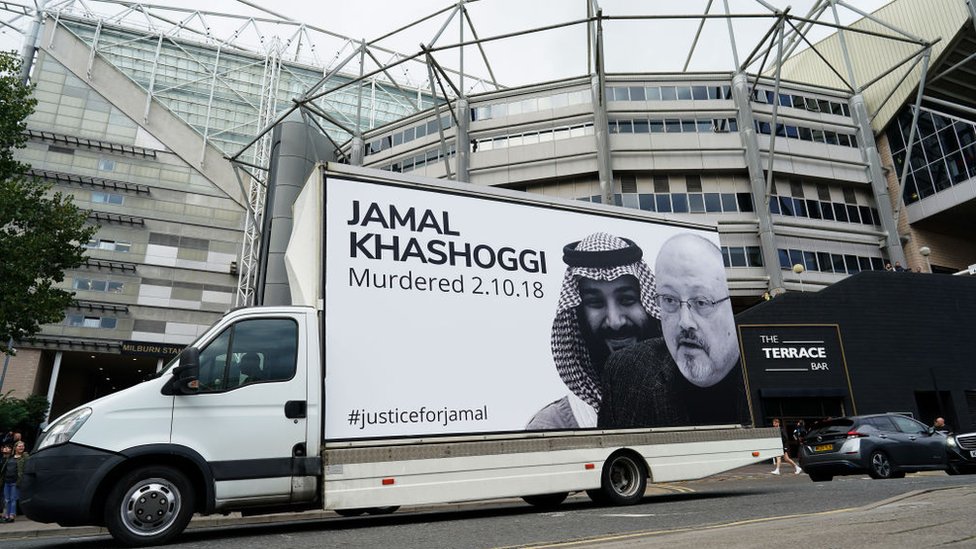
(248, 419)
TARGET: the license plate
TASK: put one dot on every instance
(972, 453)
(823, 448)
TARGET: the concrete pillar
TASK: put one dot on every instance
(600, 132)
(297, 147)
(357, 150)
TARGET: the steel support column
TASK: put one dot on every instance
(598, 85)
(462, 142)
(757, 181)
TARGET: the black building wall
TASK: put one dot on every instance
(904, 336)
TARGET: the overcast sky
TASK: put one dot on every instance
(632, 46)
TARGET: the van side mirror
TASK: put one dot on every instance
(185, 376)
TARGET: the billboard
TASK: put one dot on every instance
(453, 314)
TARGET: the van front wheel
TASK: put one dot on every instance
(149, 506)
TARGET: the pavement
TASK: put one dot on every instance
(777, 528)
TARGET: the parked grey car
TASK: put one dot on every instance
(881, 445)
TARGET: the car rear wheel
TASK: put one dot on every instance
(881, 466)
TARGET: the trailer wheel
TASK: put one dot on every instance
(623, 481)
(546, 501)
(149, 506)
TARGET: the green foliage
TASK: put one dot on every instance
(24, 415)
(40, 233)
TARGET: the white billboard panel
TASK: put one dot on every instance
(450, 314)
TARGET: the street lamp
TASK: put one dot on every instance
(925, 251)
(798, 268)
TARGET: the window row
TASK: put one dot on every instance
(668, 93)
(430, 156)
(673, 125)
(682, 202)
(831, 211)
(530, 105)
(531, 138)
(742, 256)
(808, 134)
(829, 263)
(407, 135)
(84, 321)
(110, 245)
(91, 285)
(812, 104)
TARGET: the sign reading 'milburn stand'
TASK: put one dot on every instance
(146, 348)
(800, 358)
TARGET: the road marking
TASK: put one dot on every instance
(652, 533)
(629, 515)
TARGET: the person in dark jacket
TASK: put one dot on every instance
(12, 471)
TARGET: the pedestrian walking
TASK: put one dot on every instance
(786, 450)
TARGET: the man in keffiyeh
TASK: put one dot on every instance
(606, 304)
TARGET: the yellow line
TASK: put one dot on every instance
(650, 533)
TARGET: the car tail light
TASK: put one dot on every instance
(855, 434)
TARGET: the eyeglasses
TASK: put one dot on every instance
(700, 305)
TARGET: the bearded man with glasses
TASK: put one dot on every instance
(682, 378)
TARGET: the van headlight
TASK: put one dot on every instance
(64, 428)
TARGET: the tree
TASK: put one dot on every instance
(41, 233)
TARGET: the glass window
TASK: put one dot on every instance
(792, 132)
(813, 209)
(647, 202)
(699, 92)
(625, 126)
(637, 94)
(745, 202)
(653, 94)
(679, 202)
(865, 215)
(805, 134)
(864, 263)
(696, 203)
(754, 254)
(796, 257)
(810, 261)
(909, 425)
(728, 202)
(774, 204)
(784, 259)
(684, 92)
(838, 261)
(668, 93)
(823, 259)
(713, 203)
(799, 207)
(108, 323)
(261, 350)
(672, 125)
(715, 92)
(877, 263)
(99, 285)
(852, 214)
(81, 284)
(852, 264)
(827, 209)
(703, 125)
(106, 165)
(840, 212)
(737, 256)
(725, 257)
(630, 201)
(786, 205)
(657, 126)
(663, 202)
(640, 126)
(689, 126)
